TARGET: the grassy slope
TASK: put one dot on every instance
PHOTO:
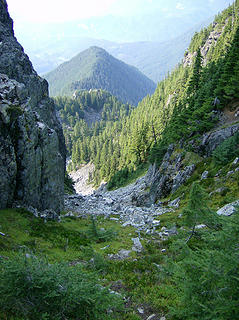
(137, 277)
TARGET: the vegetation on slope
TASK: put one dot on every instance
(182, 107)
(64, 270)
(191, 275)
(94, 68)
(80, 125)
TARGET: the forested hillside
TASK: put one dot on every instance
(85, 116)
(94, 68)
(186, 104)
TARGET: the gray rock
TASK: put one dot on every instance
(172, 231)
(114, 219)
(121, 255)
(105, 247)
(49, 215)
(108, 201)
(200, 226)
(127, 223)
(222, 191)
(69, 214)
(141, 310)
(167, 178)
(182, 176)
(174, 203)
(236, 161)
(228, 209)
(32, 149)
(211, 140)
(204, 175)
(230, 173)
(34, 211)
(137, 245)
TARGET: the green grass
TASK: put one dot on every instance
(141, 278)
(65, 241)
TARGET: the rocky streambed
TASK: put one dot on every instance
(119, 206)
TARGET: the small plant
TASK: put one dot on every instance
(34, 289)
(100, 235)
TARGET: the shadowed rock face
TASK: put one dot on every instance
(32, 148)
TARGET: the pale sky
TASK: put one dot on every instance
(57, 10)
(40, 11)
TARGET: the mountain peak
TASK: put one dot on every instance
(95, 68)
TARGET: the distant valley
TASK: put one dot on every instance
(154, 58)
(153, 40)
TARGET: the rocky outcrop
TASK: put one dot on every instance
(165, 180)
(170, 176)
(211, 41)
(32, 149)
(211, 140)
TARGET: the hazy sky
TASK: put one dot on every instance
(56, 29)
(67, 10)
(57, 10)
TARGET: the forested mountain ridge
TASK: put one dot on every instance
(144, 46)
(181, 108)
(94, 68)
(154, 59)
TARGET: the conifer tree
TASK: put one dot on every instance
(197, 210)
(197, 68)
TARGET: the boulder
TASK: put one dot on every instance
(204, 175)
(236, 161)
(228, 209)
(169, 177)
(211, 140)
(137, 245)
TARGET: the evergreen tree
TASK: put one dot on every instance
(197, 210)
(197, 68)
(207, 279)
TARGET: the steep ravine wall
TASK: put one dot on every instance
(32, 148)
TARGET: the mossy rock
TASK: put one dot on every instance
(14, 112)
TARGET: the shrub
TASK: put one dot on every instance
(68, 184)
(227, 150)
(206, 279)
(34, 289)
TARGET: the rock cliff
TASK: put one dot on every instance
(32, 148)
